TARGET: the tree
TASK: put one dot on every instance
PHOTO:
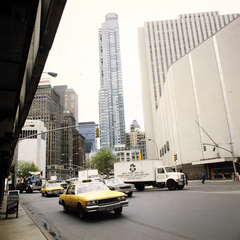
(104, 161)
(25, 167)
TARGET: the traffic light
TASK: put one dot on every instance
(175, 157)
(97, 132)
(204, 148)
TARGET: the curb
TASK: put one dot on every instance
(45, 233)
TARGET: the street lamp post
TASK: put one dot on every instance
(156, 147)
(61, 170)
(70, 160)
(53, 74)
(82, 157)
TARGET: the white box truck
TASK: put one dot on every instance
(149, 172)
(90, 174)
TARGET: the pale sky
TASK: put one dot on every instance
(74, 54)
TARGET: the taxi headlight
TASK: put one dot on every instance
(92, 202)
(49, 191)
(122, 198)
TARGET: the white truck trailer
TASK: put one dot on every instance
(149, 172)
(90, 174)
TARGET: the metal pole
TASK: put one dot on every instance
(234, 167)
(156, 147)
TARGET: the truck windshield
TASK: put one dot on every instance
(168, 169)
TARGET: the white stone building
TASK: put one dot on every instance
(198, 105)
(33, 150)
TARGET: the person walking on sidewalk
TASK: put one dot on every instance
(203, 177)
(223, 176)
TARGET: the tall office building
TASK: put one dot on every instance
(164, 42)
(68, 99)
(161, 43)
(71, 102)
(111, 105)
(46, 107)
(200, 90)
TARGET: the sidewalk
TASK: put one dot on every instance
(24, 227)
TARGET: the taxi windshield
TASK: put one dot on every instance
(83, 188)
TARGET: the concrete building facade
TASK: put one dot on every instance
(111, 104)
(46, 107)
(68, 99)
(33, 149)
(198, 104)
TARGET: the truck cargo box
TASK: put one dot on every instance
(137, 171)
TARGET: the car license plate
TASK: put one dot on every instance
(110, 208)
(180, 183)
(126, 191)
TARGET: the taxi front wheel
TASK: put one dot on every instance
(81, 212)
(65, 208)
(118, 211)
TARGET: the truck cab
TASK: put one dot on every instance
(167, 177)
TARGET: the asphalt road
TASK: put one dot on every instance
(199, 211)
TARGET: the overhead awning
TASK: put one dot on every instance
(213, 160)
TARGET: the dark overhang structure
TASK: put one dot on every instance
(28, 29)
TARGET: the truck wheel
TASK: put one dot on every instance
(180, 187)
(171, 185)
(140, 186)
(118, 211)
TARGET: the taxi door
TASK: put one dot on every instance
(160, 175)
(67, 197)
(72, 198)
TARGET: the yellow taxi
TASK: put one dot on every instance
(52, 189)
(92, 197)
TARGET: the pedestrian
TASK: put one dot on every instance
(203, 177)
(223, 176)
(186, 177)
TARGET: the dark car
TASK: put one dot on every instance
(118, 185)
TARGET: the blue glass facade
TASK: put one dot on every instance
(89, 133)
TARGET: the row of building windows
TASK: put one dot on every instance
(171, 46)
(28, 133)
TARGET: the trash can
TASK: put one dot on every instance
(12, 202)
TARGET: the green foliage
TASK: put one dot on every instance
(24, 168)
(104, 161)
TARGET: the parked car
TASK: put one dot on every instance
(63, 183)
(118, 185)
(92, 197)
(52, 189)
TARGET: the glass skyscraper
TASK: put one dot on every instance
(111, 105)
